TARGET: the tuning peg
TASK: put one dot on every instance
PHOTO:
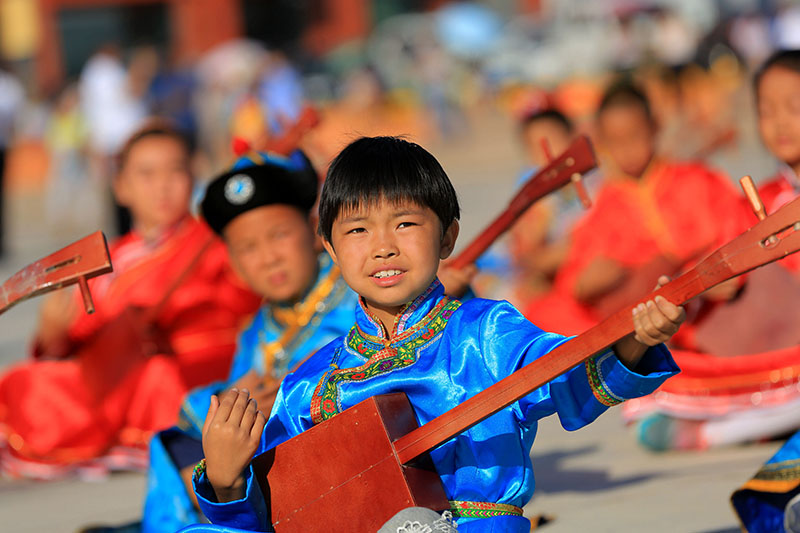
(88, 304)
(751, 193)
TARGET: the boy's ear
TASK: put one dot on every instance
(449, 240)
(329, 248)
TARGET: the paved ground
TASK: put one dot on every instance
(594, 479)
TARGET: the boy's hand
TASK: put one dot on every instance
(655, 322)
(231, 435)
(456, 280)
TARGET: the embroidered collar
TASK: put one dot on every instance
(411, 313)
(322, 297)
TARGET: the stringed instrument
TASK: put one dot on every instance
(567, 168)
(75, 263)
(382, 464)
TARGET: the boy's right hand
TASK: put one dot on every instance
(231, 435)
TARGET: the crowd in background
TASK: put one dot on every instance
(419, 73)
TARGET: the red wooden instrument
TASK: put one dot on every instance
(577, 159)
(367, 463)
(81, 260)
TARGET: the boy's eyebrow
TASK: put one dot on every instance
(353, 218)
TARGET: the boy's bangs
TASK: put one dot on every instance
(383, 182)
(373, 170)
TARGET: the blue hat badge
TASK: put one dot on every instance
(239, 189)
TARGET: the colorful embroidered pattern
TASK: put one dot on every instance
(598, 384)
(783, 471)
(382, 357)
(199, 469)
(482, 509)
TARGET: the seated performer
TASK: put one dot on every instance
(650, 216)
(388, 215)
(262, 209)
(776, 85)
(166, 320)
(770, 501)
(756, 335)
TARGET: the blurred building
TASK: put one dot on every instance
(49, 40)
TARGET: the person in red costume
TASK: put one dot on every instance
(777, 87)
(167, 317)
(739, 380)
(652, 216)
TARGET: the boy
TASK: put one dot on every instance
(388, 215)
(262, 210)
(166, 321)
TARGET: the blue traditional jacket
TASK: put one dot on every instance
(277, 340)
(440, 353)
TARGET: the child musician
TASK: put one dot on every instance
(388, 216)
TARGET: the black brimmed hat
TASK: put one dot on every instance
(257, 180)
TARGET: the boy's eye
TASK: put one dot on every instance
(355, 230)
(406, 224)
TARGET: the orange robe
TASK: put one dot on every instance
(116, 386)
(681, 211)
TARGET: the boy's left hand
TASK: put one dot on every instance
(456, 280)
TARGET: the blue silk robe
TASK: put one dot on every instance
(167, 504)
(444, 352)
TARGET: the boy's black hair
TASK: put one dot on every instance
(788, 59)
(625, 93)
(546, 114)
(374, 168)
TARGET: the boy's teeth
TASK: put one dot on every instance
(387, 273)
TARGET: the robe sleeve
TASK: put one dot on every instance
(248, 513)
(509, 342)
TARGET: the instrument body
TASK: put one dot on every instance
(334, 456)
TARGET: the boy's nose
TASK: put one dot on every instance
(385, 254)
(384, 247)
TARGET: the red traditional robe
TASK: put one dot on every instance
(678, 211)
(117, 383)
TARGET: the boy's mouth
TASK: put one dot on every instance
(387, 277)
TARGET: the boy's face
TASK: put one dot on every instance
(273, 249)
(628, 136)
(389, 253)
(779, 113)
(155, 183)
